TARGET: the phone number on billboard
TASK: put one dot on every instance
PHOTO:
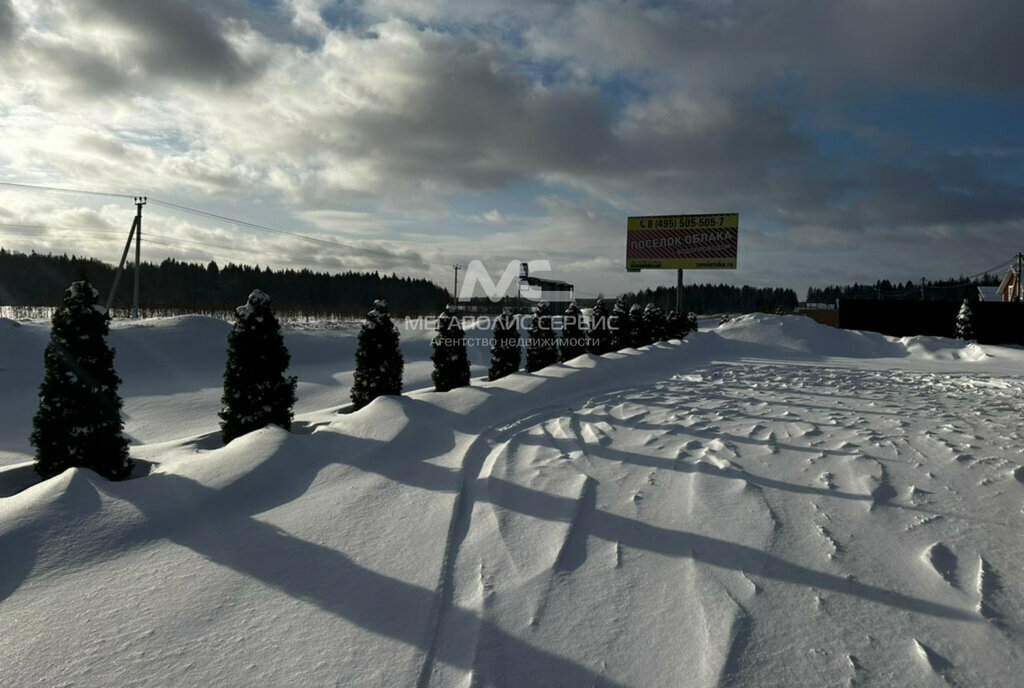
(694, 222)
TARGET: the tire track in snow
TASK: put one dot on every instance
(474, 459)
(573, 552)
(574, 548)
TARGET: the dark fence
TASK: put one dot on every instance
(994, 322)
(820, 315)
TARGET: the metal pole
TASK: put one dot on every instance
(139, 202)
(120, 266)
(455, 291)
(679, 291)
(1020, 294)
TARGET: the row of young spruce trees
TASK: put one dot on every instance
(78, 422)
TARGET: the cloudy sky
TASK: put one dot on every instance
(857, 139)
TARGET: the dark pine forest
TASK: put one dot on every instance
(176, 287)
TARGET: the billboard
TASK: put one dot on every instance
(688, 242)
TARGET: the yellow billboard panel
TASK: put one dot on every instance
(690, 242)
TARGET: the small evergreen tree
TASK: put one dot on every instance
(541, 344)
(379, 362)
(78, 422)
(506, 351)
(675, 326)
(573, 342)
(256, 391)
(965, 323)
(638, 334)
(451, 365)
(691, 322)
(621, 325)
(599, 336)
(654, 323)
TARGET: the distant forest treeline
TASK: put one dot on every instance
(952, 289)
(719, 298)
(174, 286)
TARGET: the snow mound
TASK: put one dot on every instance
(943, 349)
(800, 333)
(17, 477)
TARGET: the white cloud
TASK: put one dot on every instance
(363, 126)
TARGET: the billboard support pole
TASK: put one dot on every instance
(679, 291)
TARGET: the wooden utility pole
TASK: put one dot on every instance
(139, 202)
(135, 233)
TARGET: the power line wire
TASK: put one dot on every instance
(243, 223)
(38, 187)
(180, 208)
(103, 233)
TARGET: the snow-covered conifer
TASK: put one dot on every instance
(256, 391)
(599, 336)
(691, 322)
(573, 342)
(78, 422)
(675, 326)
(621, 326)
(638, 334)
(507, 350)
(379, 362)
(451, 365)
(965, 323)
(541, 343)
(654, 323)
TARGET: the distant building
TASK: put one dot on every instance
(1009, 289)
(988, 294)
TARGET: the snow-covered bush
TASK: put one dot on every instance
(78, 422)
(675, 325)
(654, 326)
(638, 334)
(379, 362)
(256, 391)
(541, 344)
(506, 351)
(691, 322)
(965, 323)
(451, 365)
(573, 342)
(620, 325)
(599, 336)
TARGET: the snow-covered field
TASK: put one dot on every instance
(769, 503)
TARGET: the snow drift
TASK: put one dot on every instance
(769, 503)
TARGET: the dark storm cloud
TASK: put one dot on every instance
(966, 45)
(833, 43)
(949, 190)
(8, 23)
(91, 74)
(173, 39)
(471, 123)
